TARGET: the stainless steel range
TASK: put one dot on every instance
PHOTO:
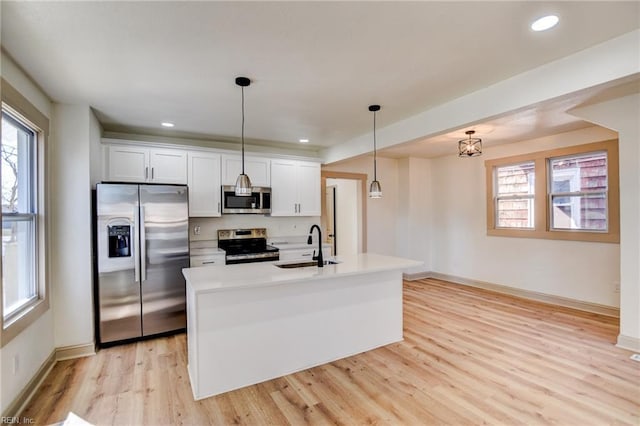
(246, 245)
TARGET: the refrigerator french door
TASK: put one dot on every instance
(143, 244)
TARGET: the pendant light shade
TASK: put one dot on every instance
(375, 190)
(243, 183)
(470, 147)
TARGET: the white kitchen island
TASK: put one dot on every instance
(253, 322)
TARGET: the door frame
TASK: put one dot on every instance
(362, 177)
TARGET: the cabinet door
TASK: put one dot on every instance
(284, 188)
(128, 164)
(308, 180)
(168, 166)
(204, 184)
(258, 169)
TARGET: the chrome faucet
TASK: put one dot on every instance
(310, 241)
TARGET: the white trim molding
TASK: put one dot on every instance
(525, 294)
(75, 351)
(417, 275)
(22, 399)
(628, 342)
(59, 354)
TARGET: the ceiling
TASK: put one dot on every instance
(315, 66)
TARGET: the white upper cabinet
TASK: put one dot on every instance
(258, 169)
(128, 164)
(152, 165)
(168, 166)
(295, 188)
(204, 184)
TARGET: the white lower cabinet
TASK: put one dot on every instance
(208, 260)
(204, 184)
(295, 188)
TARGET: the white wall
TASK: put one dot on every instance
(70, 177)
(622, 115)
(382, 212)
(347, 219)
(414, 226)
(276, 226)
(584, 271)
(95, 149)
(34, 345)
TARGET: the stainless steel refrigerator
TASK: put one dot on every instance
(142, 245)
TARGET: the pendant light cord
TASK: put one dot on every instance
(242, 130)
(375, 166)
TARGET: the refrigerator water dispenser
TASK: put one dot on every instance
(119, 240)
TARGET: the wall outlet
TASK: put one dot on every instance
(16, 364)
(196, 230)
(616, 286)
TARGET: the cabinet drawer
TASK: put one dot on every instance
(302, 254)
(207, 260)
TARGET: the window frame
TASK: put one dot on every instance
(571, 194)
(542, 206)
(497, 197)
(27, 210)
(19, 107)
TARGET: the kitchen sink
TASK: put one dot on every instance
(304, 264)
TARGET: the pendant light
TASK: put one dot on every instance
(243, 183)
(375, 191)
(470, 147)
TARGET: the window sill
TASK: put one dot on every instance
(596, 237)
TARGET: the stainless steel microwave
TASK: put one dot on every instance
(259, 202)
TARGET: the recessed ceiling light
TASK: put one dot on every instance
(303, 140)
(545, 23)
(167, 124)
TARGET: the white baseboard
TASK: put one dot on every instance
(58, 354)
(527, 294)
(416, 275)
(22, 399)
(628, 342)
(75, 351)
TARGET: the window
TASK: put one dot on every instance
(578, 193)
(19, 216)
(514, 195)
(24, 294)
(575, 195)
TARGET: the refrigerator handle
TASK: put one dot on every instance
(136, 245)
(143, 246)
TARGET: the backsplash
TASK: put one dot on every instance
(276, 226)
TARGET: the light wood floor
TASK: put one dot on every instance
(469, 357)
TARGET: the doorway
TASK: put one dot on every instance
(331, 191)
(344, 212)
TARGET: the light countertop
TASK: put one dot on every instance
(228, 277)
(204, 248)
